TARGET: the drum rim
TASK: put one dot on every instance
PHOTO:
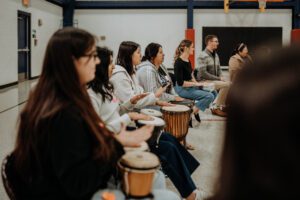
(156, 113)
(137, 170)
(177, 111)
(155, 119)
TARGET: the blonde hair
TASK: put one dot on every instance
(180, 48)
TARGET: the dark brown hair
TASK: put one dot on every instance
(151, 51)
(58, 88)
(124, 58)
(260, 158)
(209, 38)
(101, 84)
(239, 48)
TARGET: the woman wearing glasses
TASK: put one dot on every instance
(63, 149)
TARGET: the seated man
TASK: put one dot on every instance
(209, 71)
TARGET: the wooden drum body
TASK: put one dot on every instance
(138, 170)
(177, 120)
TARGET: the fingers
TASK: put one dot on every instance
(123, 127)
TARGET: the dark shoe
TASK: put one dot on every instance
(190, 123)
(219, 112)
(197, 117)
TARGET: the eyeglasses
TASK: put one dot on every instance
(94, 55)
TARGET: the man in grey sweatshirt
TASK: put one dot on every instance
(209, 70)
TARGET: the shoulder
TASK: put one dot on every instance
(178, 61)
(203, 55)
(95, 97)
(67, 116)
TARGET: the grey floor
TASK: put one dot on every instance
(207, 137)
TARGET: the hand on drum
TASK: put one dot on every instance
(138, 97)
(164, 103)
(134, 138)
(139, 116)
(161, 90)
(178, 98)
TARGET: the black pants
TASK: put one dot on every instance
(177, 163)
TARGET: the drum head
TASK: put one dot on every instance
(155, 122)
(140, 160)
(177, 108)
(144, 147)
(151, 112)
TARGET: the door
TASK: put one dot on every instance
(24, 28)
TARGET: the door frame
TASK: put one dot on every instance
(29, 42)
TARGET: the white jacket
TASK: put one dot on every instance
(126, 86)
(109, 111)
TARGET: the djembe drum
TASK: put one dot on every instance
(177, 120)
(158, 124)
(138, 170)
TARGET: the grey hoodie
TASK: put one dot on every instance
(149, 79)
(126, 86)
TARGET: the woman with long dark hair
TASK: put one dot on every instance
(260, 158)
(107, 106)
(152, 75)
(177, 163)
(63, 149)
(124, 77)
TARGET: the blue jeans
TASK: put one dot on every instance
(203, 98)
(177, 163)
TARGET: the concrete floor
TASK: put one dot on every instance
(207, 137)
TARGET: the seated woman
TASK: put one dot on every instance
(151, 76)
(176, 161)
(186, 85)
(239, 58)
(63, 149)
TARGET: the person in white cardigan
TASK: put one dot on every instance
(124, 79)
(176, 161)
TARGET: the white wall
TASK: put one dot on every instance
(167, 27)
(50, 15)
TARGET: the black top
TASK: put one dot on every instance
(68, 169)
(183, 71)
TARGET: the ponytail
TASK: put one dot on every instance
(180, 48)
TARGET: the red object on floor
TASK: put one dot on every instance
(190, 35)
(295, 36)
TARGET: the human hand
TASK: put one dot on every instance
(164, 103)
(138, 97)
(178, 98)
(134, 138)
(139, 116)
(161, 90)
(222, 78)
